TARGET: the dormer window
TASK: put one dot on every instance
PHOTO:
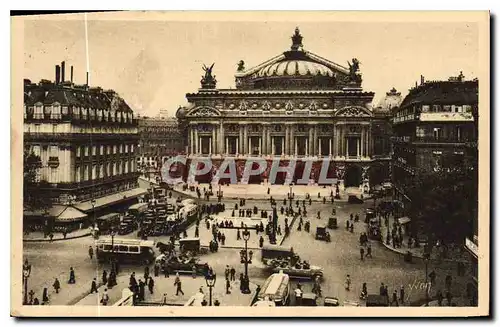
(65, 110)
(38, 113)
(76, 113)
(56, 111)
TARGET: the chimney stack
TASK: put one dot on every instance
(71, 79)
(63, 65)
(87, 83)
(58, 74)
(422, 79)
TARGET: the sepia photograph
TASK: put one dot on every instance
(266, 163)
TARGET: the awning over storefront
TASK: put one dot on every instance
(61, 213)
(107, 200)
(70, 214)
(53, 211)
(404, 220)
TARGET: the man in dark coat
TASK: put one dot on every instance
(93, 287)
(232, 273)
(104, 277)
(72, 279)
(133, 281)
(151, 285)
(141, 290)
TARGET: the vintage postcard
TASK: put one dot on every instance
(278, 163)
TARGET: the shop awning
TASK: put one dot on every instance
(53, 211)
(61, 213)
(107, 200)
(70, 214)
(404, 220)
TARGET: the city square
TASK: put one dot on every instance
(297, 185)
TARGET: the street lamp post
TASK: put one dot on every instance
(26, 275)
(210, 280)
(113, 259)
(246, 258)
(426, 260)
(92, 202)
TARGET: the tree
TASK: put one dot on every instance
(444, 201)
(34, 197)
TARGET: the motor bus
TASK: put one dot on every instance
(277, 289)
(137, 210)
(107, 222)
(125, 250)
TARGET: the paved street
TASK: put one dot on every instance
(338, 258)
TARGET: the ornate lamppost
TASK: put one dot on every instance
(93, 202)
(210, 279)
(26, 275)
(246, 258)
(427, 288)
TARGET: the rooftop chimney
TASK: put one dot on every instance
(422, 79)
(71, 75)
(63, 65)
(58, 74)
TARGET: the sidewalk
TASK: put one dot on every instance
(190, 286)
(453, 256)
(279, 192)
(38, 236)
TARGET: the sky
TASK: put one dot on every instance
(153, 64)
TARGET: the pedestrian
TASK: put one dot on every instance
(348, 283)
(395, 298)
(261, 241)
(351, 228)
(402, 294)
(51, 236)
(45, 296)
(233, 274)
(369, 251)
(448, 297)
(386, 292)
(193, 271)
(178, 283)
(36, 302)
(238, 235)
(364, 292)
(347, 225)
(362, 252)
(279, 230)
(228, 286)
(298, 295)
(448, 282)
(91, 252)
(166, 269)
(72, 279)
(133, 281)
(151, 284)
(93, 287)
(196, 232)
(146, 273)
(156, 269)
(56, 285)
(223, 239)
(105, 297)
(227, 271)
(164, 299)
(440, 297)
(31, 295)
(142, 286)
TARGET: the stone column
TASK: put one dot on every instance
(292, 141)
(307, 146)
(222, 143)
(245, 139)
(357, 147)
(283, 145)
(319, 147)
(346, 147)
(310, 141)
(287, 139)
(272, 146)
(238, 146)
(191, 140)
(196, 140)
(240, 140)
(262, 148)
(249, 145)
(330, 147)
(362, 152)
(268, 140)
(213, 143)
(210, 146)
(295, 143)
(227, 146)
(315, 140)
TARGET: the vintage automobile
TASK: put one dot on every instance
(125, 228)
(183, 265)
(309, 299)
(280, 258)
(331, 302)
(190, 244)
(353, 199)
(375, 300)
(332, 223)
(369, 214)
(322, 234)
